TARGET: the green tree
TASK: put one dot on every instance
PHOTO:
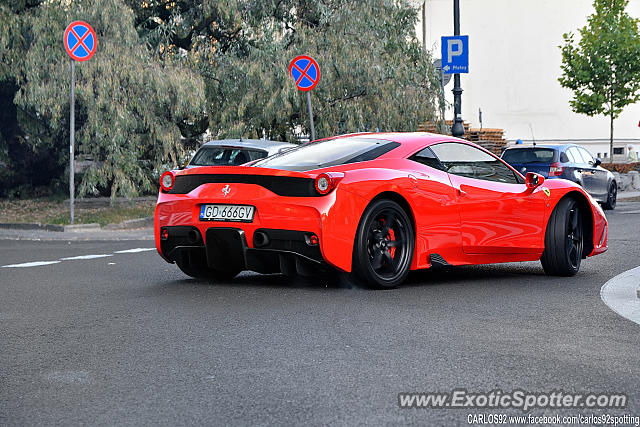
(131, 109)
(603, 67)
(374, 73)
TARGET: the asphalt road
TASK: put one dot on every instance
(127, 339)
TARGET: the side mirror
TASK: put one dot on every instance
(598, 162)
(533, 180)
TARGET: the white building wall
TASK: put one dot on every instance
(514, 67)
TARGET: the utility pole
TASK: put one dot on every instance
(458, 128)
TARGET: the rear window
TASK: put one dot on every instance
(333, 152)
(225, 156)
(529, 155)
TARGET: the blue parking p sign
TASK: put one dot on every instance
(455, 54)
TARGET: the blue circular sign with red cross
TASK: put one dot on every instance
(80, 41)
(305, 72)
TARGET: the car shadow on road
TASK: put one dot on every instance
(474, 273)
(332, 281)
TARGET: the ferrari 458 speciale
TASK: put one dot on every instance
(374, 206)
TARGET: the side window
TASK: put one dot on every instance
(465, 160)
(574, 155)
(564, 158)
(427, 158)
(586, 156)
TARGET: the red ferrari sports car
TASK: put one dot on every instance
(374, 205)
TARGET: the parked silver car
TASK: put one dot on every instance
(235, 152)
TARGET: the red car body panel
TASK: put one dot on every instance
(462, 220)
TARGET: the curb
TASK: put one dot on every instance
(621, 294)
(130, 224)
(78, 228)
(75, 228)
(31, 226)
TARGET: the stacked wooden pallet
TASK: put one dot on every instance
(433, 127)
(491, 139)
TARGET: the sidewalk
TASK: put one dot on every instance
(133, 229)
(623, 195)
(96, 234)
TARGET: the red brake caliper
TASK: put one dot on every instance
(392, 236)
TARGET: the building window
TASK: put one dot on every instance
(598, 155)
(619, 150)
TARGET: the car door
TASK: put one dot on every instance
(438, 224)
(597, 177)
(584, 172)
(498, 213)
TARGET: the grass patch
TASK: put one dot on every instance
(48, 211)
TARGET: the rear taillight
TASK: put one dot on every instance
(166, 181)
(326, 182)
(555, 169)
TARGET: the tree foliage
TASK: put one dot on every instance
(129, 105)
(603, 67)
(374, 74)
(166, 71)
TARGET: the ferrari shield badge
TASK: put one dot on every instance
(546, 191)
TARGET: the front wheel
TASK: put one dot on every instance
(612, 197)
(383, 247)
(563, 240)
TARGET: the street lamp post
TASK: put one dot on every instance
(458, 128)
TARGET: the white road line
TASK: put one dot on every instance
(39, 263)
(85, 257)
(133, 251)
(620, 295)
(30, 264)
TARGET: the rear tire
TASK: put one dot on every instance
(383, 248)
(563, 240)
(612, 197)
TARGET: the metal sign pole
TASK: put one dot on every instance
(313, 129)
(457, 129)
(72, 129)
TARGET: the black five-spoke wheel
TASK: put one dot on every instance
(384, 245)
(564, 240)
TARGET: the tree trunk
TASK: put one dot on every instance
(611, 138)
(612, 113)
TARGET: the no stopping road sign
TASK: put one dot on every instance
(305, 72)
(80, 41)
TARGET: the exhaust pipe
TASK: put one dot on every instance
(260, 239)
(193, 236)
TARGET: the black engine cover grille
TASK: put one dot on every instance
(280, 185)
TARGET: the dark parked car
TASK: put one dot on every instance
(570, 162)
(235, 152)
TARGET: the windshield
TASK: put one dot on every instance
(529, 155)
(322, 154)
(225, 156)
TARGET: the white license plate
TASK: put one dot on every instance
(240, 213)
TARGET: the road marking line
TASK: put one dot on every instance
(619, 294)
(79, 257)
(30, 264)
(133, 251)
(85, 257)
